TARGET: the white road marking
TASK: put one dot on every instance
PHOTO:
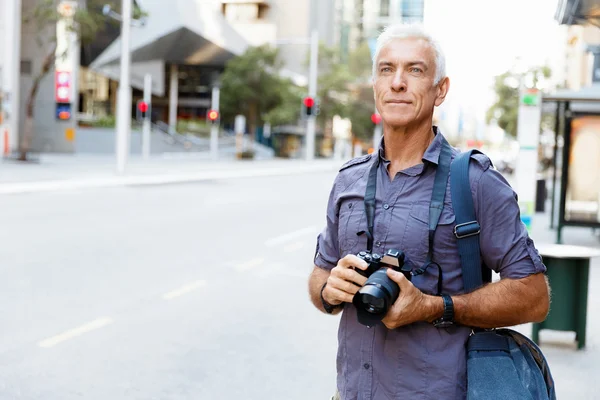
(90, 326)
(293, 247)
(184, 290)
(290, 236)
(250, 264)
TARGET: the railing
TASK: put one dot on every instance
(189, 142)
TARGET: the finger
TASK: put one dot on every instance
(343, 285)
(352, 261)
(351, 275)
(397, 277)
(338, 295)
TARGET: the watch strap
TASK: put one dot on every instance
(447, 318)
(329, 308)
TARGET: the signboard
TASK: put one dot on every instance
(582, 198)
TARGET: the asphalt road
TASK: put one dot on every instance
(192, 291)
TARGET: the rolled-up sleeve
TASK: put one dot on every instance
(505, 243)
(327, 251)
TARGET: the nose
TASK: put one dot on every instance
(398, 83)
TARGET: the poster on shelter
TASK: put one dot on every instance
(583, 185)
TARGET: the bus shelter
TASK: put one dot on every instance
(577, 126)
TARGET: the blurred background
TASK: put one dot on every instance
(166, 166)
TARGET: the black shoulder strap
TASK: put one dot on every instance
(467, 228)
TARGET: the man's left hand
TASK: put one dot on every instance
(411, 305)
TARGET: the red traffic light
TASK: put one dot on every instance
(213, 115)
(309, 102)
(376, 118)
(143, 106)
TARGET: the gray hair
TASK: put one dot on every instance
(401, 31)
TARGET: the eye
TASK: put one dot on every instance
(416, 70)
(385, 69)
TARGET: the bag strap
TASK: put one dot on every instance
(467, 228)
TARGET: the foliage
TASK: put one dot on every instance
(361, 108)
(332, 85)
(251, 85)
(506, 108)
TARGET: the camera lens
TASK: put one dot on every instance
(376, 296)
(373, 304)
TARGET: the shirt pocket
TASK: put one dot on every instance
(351, 221)
(416, 242)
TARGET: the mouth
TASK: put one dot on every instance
(398, 102)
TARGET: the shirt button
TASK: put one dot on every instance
(367, 366)
(386, 206)
(378, 243)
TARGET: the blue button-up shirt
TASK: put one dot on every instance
(417, 361)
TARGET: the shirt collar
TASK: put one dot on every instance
(432, 154)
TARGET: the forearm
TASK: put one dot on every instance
(316, 281)
(507, 302)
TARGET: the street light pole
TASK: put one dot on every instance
(214, 129)
(124, 92)
(312, 92)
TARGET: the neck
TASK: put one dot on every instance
(404, 147)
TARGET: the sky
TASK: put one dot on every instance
(482, 38)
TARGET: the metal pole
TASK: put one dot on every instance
(214, 129)
(312, 92)
(11, 76)
(377, 132)
(147, 120)
(173, 98)
(124, 93)
(557, 118)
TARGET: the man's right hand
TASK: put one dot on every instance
(344, 281)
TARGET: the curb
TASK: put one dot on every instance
(143, 180)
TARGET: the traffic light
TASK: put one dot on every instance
(142, 110)
(213, 116)
(375, 119)
(309, 104)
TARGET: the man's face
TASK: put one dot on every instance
(404, 89)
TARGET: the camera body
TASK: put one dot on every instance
(379, 292)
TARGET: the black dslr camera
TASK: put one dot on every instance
(377, 295)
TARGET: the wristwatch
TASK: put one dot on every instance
(447, 319)
(329, 308)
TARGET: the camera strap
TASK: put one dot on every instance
(435, 207)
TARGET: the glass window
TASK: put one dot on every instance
(412, 10)
(241, 12)
(384, 8)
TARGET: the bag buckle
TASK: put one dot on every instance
(467, 229)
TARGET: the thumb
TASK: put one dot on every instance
(397, 277)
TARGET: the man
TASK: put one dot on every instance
(410, 355)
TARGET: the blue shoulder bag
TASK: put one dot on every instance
(501, 363)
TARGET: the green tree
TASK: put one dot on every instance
(361, 109)
(251, 86)
(85, 24)
(332, 87)
(506, 86)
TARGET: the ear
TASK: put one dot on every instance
(442, 91)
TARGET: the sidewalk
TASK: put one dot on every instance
(63, 172)
(575, 372)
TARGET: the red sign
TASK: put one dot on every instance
(62, 84)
